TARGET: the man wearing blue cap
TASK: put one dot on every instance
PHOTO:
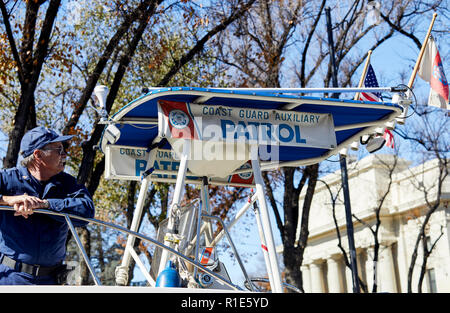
(33, 246)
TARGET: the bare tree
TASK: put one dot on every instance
(334, 197)
(261, 53)
(389, 169)
(425, 134)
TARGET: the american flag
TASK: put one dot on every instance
(370, 81)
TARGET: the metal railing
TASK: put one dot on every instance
(97, 281)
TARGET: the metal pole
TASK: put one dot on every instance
(137, 235)
(280, 91)
(176, 200)
(331, 47)
(203, 204)
(83, 251)
(205, 198)
(265, 220)
(348, 218)
(121, 272)
(233, 247)
(263, 243)
(236, 218)
(343, 164)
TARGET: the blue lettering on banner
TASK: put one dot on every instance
(297, 135)
(297, 118)
(141, 165)
(264, 132)
(253, 114)
(282, 131)
(132, 152)
(219, 111)
(226, 125)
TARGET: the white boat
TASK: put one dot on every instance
(219, 136)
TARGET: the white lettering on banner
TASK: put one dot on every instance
(247, 125)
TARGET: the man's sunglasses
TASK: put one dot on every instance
(60, 150)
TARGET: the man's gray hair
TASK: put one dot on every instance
(27, 161)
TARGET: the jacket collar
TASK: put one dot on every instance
(52, 182)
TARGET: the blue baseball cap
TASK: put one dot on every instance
(39, 137)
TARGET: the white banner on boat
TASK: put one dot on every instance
(238, 125)
(130, 163)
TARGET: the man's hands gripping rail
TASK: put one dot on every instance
(24, 204)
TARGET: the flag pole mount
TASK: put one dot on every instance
(422, 51)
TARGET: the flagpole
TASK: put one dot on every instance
(361, 81)
(422, 51)
(344, 172)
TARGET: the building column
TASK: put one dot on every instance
(386, 270)
(334, 277)
(361, 266)
(402, 259)
(306, 277)
(369, 269)
(317, 283)
(348, 279)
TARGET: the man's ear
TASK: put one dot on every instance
(37, 154)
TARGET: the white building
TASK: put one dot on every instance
(401, 216)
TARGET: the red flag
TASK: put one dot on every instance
(180, 120)
(389, 137)
(432, 71)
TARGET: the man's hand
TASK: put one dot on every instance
(25, 204)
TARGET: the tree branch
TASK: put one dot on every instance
(12, 42)
(43, 41)
(89, 154)
(92, 81)
(273, 203)
(401, 31)
(307, 43)
(178, 64)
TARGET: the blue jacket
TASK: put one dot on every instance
(41, 238)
